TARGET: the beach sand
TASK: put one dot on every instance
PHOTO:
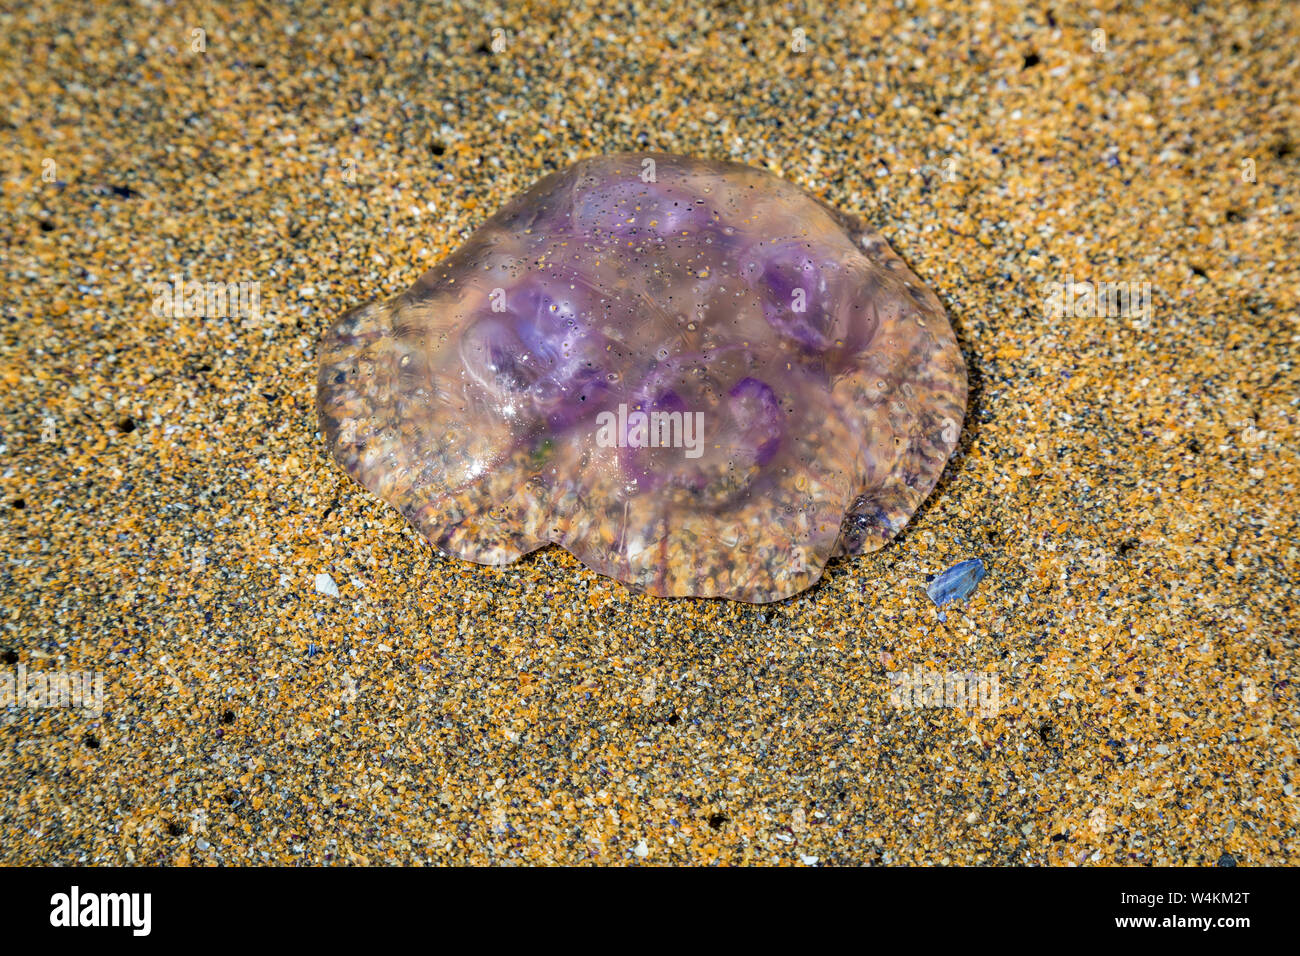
(167, 504)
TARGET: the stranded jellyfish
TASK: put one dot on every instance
(690, 374)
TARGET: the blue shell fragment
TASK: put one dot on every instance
(957, 583)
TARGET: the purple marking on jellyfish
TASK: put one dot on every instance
(758, 416)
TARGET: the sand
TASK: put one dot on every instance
(292, 676)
